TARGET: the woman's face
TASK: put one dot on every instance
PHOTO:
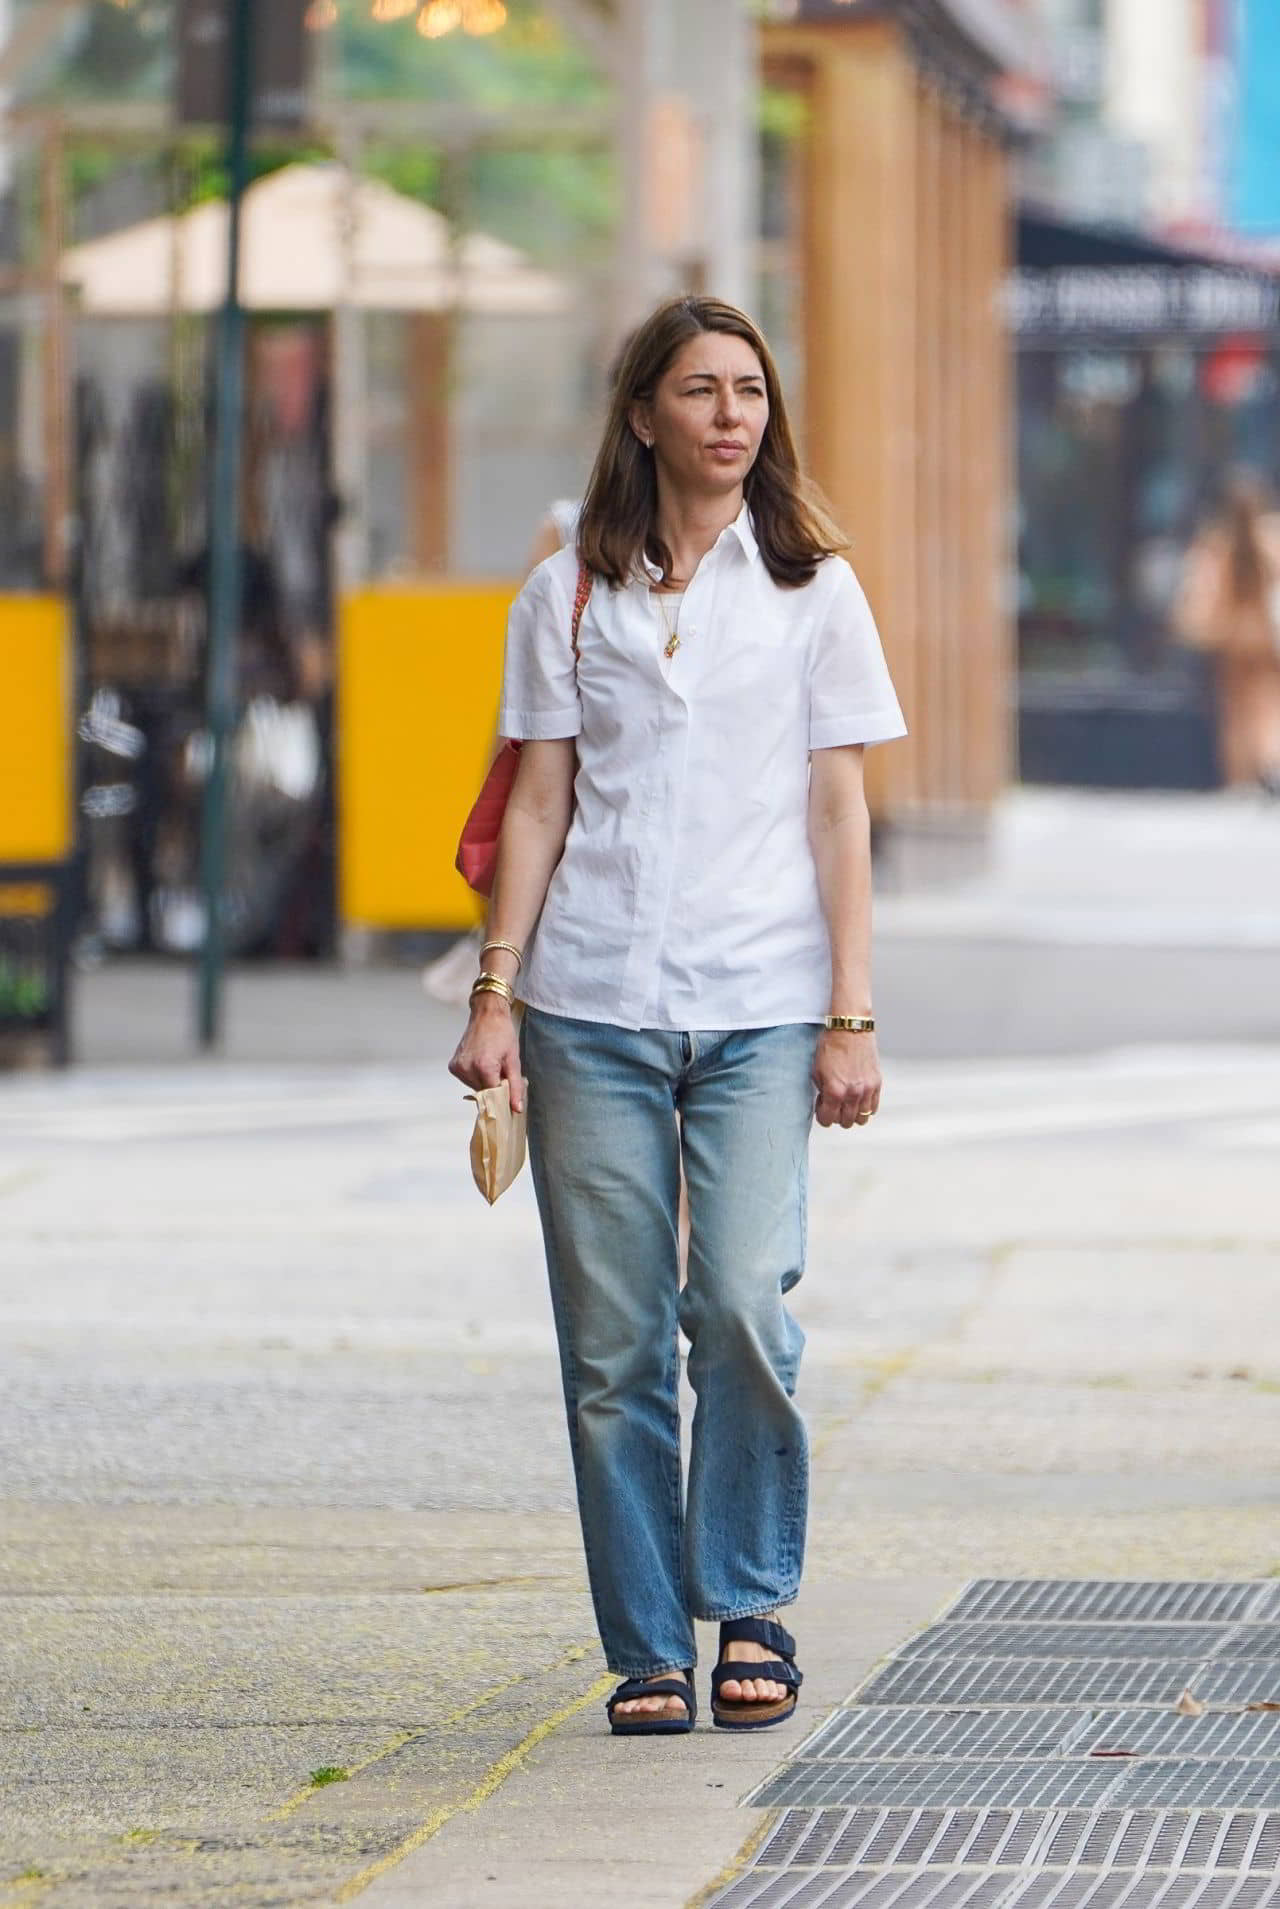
(708, 414)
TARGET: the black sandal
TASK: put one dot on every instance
(743, 1715)
(678, 1685)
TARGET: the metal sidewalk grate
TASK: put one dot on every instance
(888, 1731)
(877, 1731)
(1026, 1752)
(1253, 1640)
(1232, 1681)
(1029, 1680)
(921, 1838)
(1117, 1600)
(924, 1784)
(1140, 1889)
(1224, 1783)
(1236, 1840)
(1164, 1641)
(1215, 1783)
(1151, 1733)
(995, 1889)
(872, 1889)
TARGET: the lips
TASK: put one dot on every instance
(727, 444)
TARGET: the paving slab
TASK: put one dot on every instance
(650, 1822)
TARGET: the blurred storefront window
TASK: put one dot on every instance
(1144, 375)
(427, 238)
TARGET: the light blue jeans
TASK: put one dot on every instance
(605, 1150)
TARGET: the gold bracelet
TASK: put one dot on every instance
(487, 983)
(477, 992)
(851, 1023)
(488, 979)
(510, 947)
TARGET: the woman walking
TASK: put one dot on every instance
(695, 684)
(1229, 605)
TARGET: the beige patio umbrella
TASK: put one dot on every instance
(312, 240)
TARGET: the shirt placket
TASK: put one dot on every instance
(665, 797)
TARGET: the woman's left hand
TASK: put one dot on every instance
(846, 1073)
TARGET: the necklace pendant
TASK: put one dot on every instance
(671, 648)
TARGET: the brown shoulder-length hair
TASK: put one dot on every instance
(618, 525)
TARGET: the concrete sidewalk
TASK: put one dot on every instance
(1092, 868)
(286, 1491)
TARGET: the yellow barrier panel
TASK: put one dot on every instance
(19, 899)
(419, 672)
(35, 751)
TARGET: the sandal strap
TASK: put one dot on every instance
(772, 1673)
(758, 1630)
(678, 1685)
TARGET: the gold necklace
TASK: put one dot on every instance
(673, 635)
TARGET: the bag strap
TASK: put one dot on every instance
(580, 604)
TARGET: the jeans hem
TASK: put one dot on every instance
(778, 1603)
(654, 1670)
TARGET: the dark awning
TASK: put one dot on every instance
(1081, 281)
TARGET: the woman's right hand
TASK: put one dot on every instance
(489, 1051)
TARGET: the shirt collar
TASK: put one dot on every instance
(740, 528)
(743, 530)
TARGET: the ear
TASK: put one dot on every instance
(640, 420)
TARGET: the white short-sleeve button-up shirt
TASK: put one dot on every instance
(687, 896)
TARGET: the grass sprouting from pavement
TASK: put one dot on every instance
(328, 1773)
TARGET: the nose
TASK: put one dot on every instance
(730, 408)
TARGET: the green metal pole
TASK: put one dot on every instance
(225, 568)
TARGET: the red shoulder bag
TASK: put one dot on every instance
(477, 857)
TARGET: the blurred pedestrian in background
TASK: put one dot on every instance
(1229, 606)
(688, 833)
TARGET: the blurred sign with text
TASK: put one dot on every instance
(1138, 300)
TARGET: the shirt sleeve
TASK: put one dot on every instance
(539, 673)
(851, 695)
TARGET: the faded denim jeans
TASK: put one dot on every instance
(605, 1149)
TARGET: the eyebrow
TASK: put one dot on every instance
(710, 377)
